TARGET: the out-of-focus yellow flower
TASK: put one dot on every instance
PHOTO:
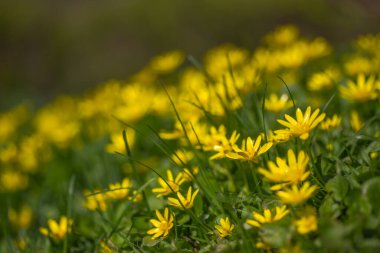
(280, 135)
(306, 224)
(323, 80)
(220, 59)
(361, 91)
(295, 195)
(167, 62)
(105, 248)
(163, 225)
(21, 219)
(181, 202)
(182, 157)
(136, 197)
(358, 65)
(277, 104)
(268, 216)
(95, 200)
(188, 175)
(250, 150)
(57, 231)
(12, 180)
(355, 121)
(332, 123)
(263, 246)
(369, 43)
(117, 141)
(170, 186)
(304, 124)
(224, 227)
(291, 172)
(119, 190)
(11, 120)
(21, 243)
(282, 36)
(225, 146)
(291, 249)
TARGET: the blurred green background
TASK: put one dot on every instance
(53, 47)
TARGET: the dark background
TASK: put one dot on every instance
(49, 48)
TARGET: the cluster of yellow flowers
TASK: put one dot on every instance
(231, 129)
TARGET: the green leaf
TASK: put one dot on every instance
(371, 190)
(338, 186)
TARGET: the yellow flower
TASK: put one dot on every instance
(171, 184)
(188, 175)
(117, 141)
(277, 104)
(306, 224)
(225, 146)
(330, 124)
(167, 62)
(12, 180)
(95, 201)
(224, 227)
(105, 248)
(162, 225)
(56, 230)
(355, 121)
(293, 171)
(21, 219)
(361, 91)
(323, 80)
(250, 150)
(182, 202)
(268, 217)
(304, 123)
(277, 136)
(119, 190)
(137, 197)
(296, 195)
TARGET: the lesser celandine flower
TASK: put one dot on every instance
(167, 62)
(163, 225)
(22, 218)
(293, 171)
(361, 91)
(277, 104)
(117, 141)
(225, 146)
(56, 230)
(355, 121)
(323, 80)
(306, 224)
(95, 200)
(13, 180)
(268, 217)
(296, 195)
(332, 123)
(224, 227)
(119, 190)
(303, 124)
(181, 202)
(250, 150)
(171, 184)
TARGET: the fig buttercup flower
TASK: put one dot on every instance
(250, 150)
(181, 202)
(303, 124)
(22, 218)
(268, 216)
(277, 104)
(295, 195)
(119, 190)
(355, 121)
(163, 225)
(332, 123)
(224, 227)
(95, 200)
(57, 231)
(306, 224)
(171, 184)
(361, 91)
(293, 171)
